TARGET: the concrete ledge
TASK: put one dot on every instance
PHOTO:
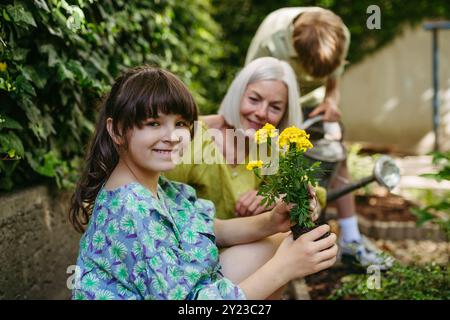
(399, 230)
(390, 230)
(37, 244)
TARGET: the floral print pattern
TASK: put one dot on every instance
(138, 246)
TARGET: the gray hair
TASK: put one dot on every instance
(262, 69)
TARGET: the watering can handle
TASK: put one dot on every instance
(309, 122)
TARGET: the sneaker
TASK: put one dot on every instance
(363, 253)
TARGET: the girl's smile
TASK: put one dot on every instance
(166, 153)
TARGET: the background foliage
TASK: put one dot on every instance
(58, 57)
(410, 282)
(241, 20)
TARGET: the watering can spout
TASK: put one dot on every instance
(386, 173)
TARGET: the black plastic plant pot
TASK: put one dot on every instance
(297, 231)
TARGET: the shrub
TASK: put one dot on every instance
(439, 211)
(58, 57)
(412, 282)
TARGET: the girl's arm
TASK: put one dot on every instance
(248, 229)
(293, 259)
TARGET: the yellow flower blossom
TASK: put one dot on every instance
(261, 136)
(272, 131)
(254, 164)
(267, 131)
(3, 66)
(295, 135)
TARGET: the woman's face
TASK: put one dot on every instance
(263, 102)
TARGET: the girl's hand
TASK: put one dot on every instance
(249, 204)
(305, 256)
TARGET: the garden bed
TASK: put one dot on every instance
(384, 208)
(322, 284)
(389, 217)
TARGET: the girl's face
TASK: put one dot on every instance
(263, 102)
(157, 145)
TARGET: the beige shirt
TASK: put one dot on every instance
(274, 38)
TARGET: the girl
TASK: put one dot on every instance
(150, 238)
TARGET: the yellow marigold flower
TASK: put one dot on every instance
(271, 130)
(254, 164)
(267, 131)
(261, 136)
(3, 66)
(295, 135)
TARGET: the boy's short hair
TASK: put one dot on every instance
(319, 40)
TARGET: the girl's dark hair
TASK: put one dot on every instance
(136, 95)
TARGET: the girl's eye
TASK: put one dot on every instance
(182, 124)
(253, 99)
(152, 123)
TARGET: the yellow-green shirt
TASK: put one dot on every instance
(219, 182)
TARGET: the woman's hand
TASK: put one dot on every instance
(314, 205)
(249, 204)
(280, 219)
(280, 214)
(306, 255)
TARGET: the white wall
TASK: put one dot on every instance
(387, 98)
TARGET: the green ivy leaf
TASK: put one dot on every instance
(24, 85)
(19, 14)
(11, 143)
(9, 123)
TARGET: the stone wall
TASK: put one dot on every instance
(37, 244)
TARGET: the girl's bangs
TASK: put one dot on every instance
(165, 94)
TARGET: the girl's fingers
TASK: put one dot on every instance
(325, 243)
(316, 233)
(326, 264)
(327, 254)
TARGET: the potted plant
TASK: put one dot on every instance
(294, 176)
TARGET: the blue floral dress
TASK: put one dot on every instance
(139, 247)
